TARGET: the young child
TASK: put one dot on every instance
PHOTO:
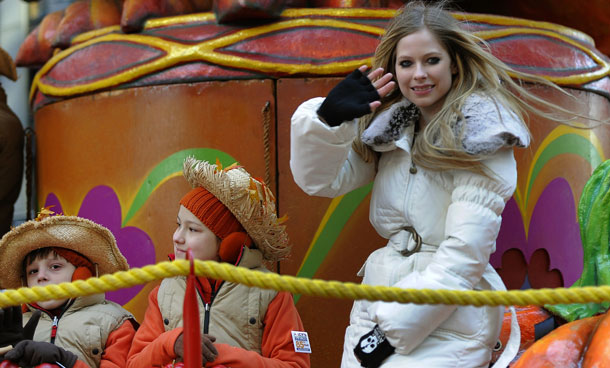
(230, 217)
(86, 331)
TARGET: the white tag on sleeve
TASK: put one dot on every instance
(301, 342)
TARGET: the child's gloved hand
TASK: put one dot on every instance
(349, 99)
(30, 353)
(373, 348)
(208, 350)
(12, 330)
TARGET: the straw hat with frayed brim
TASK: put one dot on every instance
(7, 66)
(75, 233)
(248, 199)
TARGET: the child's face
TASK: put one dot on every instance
(53, 269)
(423, 71)
(192, 233)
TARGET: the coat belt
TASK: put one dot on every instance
(408, 242)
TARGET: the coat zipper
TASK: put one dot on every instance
(208, 306)
(407, 201)
(208, 309)
(206, 319)
(54, 329)
(55, 318)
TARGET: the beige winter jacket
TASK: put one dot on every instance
(84, 327)
(236, 313)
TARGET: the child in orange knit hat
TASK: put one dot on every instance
(229, 217)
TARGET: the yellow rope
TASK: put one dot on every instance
(295, 285)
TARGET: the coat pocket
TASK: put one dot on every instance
(92, 344)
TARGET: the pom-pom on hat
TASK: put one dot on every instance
(248, 198)
(83, 236)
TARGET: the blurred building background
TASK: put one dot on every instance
(17, 18)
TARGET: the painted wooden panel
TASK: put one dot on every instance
(116, 157)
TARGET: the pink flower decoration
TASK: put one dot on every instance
(101, 205)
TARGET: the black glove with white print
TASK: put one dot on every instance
(373, 348)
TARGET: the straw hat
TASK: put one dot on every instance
(7, 66)
(75, 233)
(248, 199)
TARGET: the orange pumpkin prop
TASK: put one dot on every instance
(598, 352)
(531, 320)
(582, 343)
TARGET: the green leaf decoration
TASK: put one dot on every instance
(338, 213)
(594, 220)
(169, 168)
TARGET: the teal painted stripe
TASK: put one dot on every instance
(569, 143)
(170, 166)
(331, 231)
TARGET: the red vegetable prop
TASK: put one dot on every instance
(86, 15)
(236, 10)
(136, 12)
(36, 49)
(190, 315)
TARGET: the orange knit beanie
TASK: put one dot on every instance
(215, 215)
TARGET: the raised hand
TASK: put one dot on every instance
(12, 330)
(355, 96)
(383, 83)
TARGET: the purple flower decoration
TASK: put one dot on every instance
(101, 205)
(553, 227)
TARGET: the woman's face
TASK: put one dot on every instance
(423, 71)
(192, 233)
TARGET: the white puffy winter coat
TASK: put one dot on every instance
(456, 213)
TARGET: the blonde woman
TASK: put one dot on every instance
(439, 147)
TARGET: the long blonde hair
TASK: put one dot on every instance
(438, 146)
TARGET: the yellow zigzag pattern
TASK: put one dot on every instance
(177, 53)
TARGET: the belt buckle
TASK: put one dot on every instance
(406, 252)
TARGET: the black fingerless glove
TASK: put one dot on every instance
(30, 353)
(12, 330)
(349, 99)
(373, 348)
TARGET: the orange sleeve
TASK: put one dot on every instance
(277, 346)
(117, 346)
(152, 345)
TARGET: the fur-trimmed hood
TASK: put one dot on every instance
(489, 126)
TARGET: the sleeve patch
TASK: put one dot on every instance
(301, 342)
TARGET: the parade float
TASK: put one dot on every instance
(118, 107)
